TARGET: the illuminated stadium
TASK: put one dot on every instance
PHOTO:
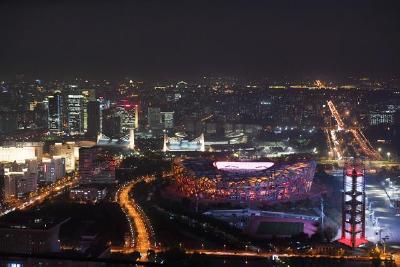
(210, 180)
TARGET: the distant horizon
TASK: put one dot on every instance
(196, 78)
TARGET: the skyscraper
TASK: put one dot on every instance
(75, 114)
(94, 115)
(55, 118)
(128, 113)
(88, 95)
(167, 119)
(154, 117)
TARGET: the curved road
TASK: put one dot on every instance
(136, 218)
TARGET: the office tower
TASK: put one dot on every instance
(154, 117)
(111, 123)
(52, 169)
(55, 118)
(129, 114)
(19, 181)
(94, 118)
(167, 119)
(75, 114)
(88, 95)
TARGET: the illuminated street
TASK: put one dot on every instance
(141, 238)
(42, 194)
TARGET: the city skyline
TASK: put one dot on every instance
(199, 133)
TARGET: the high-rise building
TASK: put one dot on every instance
(20, 181)
(154, 117)
(117, 121)
(55, 115)
(111, 123)
(88, 95)
(52, 169)
(69, 151)
(75, 114)
(94, 118)
(129, 114)
(167, 119)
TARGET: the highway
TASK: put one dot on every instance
(270, 254)
(140, 227)
(336, 138)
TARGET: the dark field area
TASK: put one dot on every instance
(104, 219)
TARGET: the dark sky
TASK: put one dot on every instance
(172, 39)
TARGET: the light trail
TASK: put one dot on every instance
(362, 141)
(140, 227)
(336, 115)
(270, 254)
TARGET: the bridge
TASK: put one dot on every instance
(346, 141)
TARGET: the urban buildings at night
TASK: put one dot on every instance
(169, 133)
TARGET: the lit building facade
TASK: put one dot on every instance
(75, 114)
(18, 183)
(167, 119)
(52, 169)
(88, 194)
(21, 151)
(154, 117)
(55, 113)
(129, 118)
(207, 180)
(177, 143)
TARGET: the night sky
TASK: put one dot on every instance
(178, 39)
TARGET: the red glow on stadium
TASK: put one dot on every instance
(207, 180)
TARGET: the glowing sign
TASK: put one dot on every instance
(242, 166)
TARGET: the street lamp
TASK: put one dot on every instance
(379, 149)
(388, 155)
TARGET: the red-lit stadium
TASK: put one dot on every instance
(210, 180)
